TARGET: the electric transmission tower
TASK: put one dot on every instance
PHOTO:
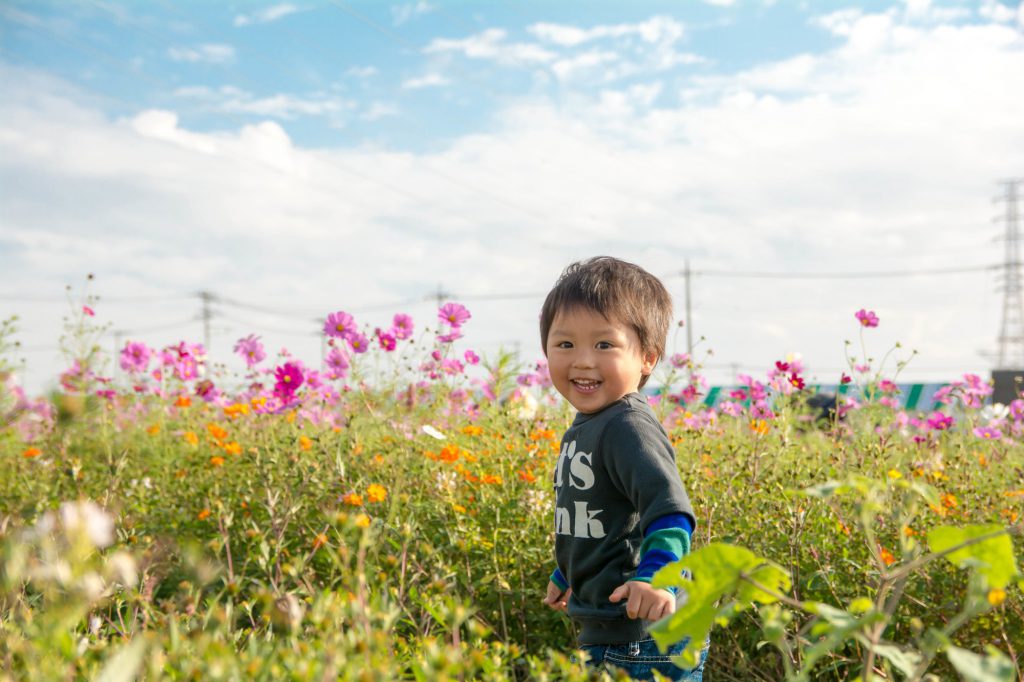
(1010, 354)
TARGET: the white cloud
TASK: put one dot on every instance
(567, 68)
(361, 72)
(403, 13)
(997, 11)
(658, 29)
(266, 15)
(430, 80)
(378, 110)
(233, 100)
(490, 44)
(720, 3)
(209, 53)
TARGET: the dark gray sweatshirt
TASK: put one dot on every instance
(616, 473)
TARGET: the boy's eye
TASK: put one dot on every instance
(603, 345)
(564, 344)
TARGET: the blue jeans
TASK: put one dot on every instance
(640, 659)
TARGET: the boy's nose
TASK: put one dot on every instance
(583, 360)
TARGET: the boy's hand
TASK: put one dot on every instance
(555, 598)
(644, 601)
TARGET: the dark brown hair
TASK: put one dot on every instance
(619, 291)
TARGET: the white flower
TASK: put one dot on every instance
(995, 412)
(432, 432)
(89, 517)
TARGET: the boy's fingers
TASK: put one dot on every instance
(636, 600)
(619, 592)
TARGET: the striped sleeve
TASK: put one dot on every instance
(667, 539)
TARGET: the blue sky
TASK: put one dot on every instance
(311, 156)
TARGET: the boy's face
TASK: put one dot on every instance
(594, 361)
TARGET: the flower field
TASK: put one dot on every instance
(388, 515)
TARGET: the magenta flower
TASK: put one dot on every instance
(938, 421)
(453, 314)
(867, 318)
(135, 357)
(679, 360)
(863, 369)
(251, 350)
(386, 340)
(289, 379)
(796, 381)
(88, 311)
(988, 433)
(455, 334)
(845, 378)
(340, 325)
(358, 342)
(471, 357)
(781, 366)
(402, 326)
(738, 394)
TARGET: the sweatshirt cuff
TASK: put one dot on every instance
(559, 579)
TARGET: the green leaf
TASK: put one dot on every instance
(770, 575)
(992, 558)
(992, 667)
(905, 660)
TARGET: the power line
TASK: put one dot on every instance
(840, 275)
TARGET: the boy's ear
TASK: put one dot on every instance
(649, 360)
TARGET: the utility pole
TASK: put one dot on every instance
(206, 315)
(1011, 331)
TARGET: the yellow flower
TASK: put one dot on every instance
(319, 541)
(376, 493)
(305, 442)
(759, 426)
(459, 508)
(363, 521)
(472, 430)
(996, 596)
(233, 448)
(190, 437)
(153, 430)
(894, 474)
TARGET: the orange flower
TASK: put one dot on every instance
(236, 410)
(996, 596)
(353, 500)
(376, 493)
(459, 508)
(183, 401)
(449, 453)
(258, 403)
(203, 515)
(491, 478)
(153, 430)
(233, 448)
(472, 430)
(305, 442)
(526, 475)
(29, 453)
(190, 437)
(319, 541)
(217, 461)
(949, 501)
(759, 426)
(363, 521)
(543, 434)
(216, 431)
(887, 558)
(180, 473)
(1015, 493)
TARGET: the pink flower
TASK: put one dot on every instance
(988, 433)
(358, 342)
(938, 421)
(796, 381)
(289, 379)
(455, 334)
(402, 326)
(386, 340)
(863, 369)
(845, 378)
(452, 366)
(251, 350)
(88, 311)
(340, 325)
(730, 408)
(782, 366)
(888, 386)
(738, 394)
(471, 357)
(135, 357)
(867, 318)
(338, 363)
(679, 360)
(453, 314)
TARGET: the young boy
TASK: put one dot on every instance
(621, 510)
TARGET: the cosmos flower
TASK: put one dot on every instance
(401, 326)
(358, 342)
(988, 433)
(453, 314)
(386, 340)
(135, 357)
(471, 357)
(289, 379)
(340, 325)
(251, 350)
(338, 363)
(867, 318)
(937, 421)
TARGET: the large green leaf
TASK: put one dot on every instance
(992, 667)
(717, 571)
(992, 557)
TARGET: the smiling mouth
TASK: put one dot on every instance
(585, 385)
